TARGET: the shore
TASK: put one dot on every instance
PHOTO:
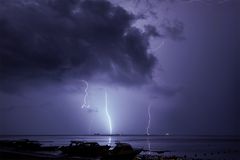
(6, 154)
(153, 147)
(143, 156)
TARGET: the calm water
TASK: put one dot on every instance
(204, 147)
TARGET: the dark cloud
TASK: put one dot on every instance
(58, 39)
(173, 29)
(163, 90)
(151, 31)
(7, 108)
(149, 3)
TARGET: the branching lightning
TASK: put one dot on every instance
(85, 105)
(149, 118)
(107, 114)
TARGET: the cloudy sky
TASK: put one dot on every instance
(59, 60)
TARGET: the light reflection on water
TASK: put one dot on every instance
(109, 140)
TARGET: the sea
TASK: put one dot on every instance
(190, 147)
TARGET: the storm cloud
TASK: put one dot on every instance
(173, 29)
(58, 39)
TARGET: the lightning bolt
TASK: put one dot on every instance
(85, 105)
(149, 118)
(107, 114)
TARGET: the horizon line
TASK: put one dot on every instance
(98, 134)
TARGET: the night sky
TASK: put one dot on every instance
(60, 58)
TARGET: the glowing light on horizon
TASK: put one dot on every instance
(85, 105)
(149, 118)
(107, 114)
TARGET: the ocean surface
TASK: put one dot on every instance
(197, 147)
